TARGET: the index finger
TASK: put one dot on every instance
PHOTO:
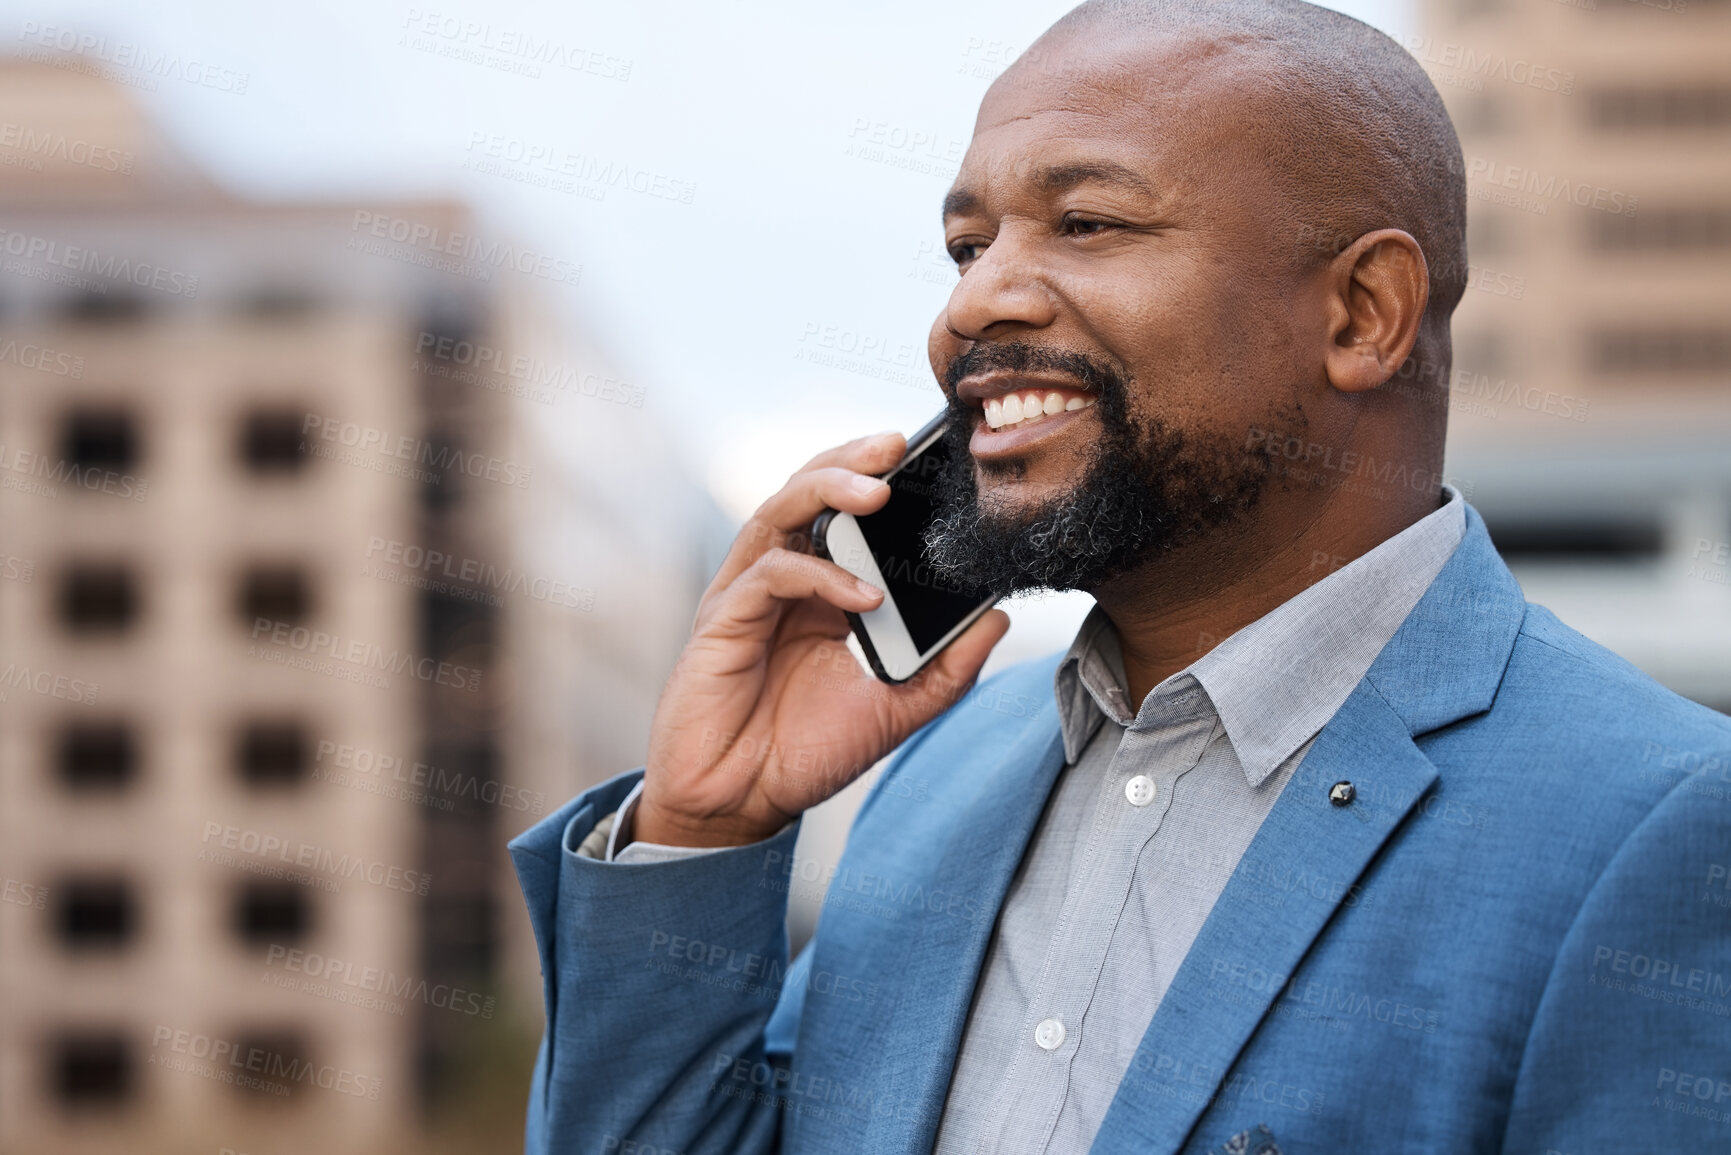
(863, 454)
(790, 510)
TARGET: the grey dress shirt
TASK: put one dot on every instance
(1141, 833)
(1145, 826)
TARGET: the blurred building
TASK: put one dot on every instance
(1591, 396)
(328, 566)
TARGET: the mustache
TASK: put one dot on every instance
(1021, 357)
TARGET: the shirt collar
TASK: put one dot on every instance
(1279, 680)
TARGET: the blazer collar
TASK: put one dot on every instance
(1447, 660)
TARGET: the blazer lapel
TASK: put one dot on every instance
(962, 851)
(946, 960)
(1444, 664)
(1239, 961)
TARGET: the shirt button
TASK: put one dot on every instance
(1139, 790)
(1050, 1035)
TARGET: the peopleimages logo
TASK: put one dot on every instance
(341, 980)
(464, 247)
(523, 367)
(257, 1062)
(48, 684)
(531, 48)
(307, 856)
(436, 456)
(57, 471)
(1482, 65)
(83, 259)
(27, 355)
(468, 572)
(151, 63)
(354, 764)
(40, 145)
(308, 643)
(1532, 182)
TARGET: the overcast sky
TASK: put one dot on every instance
(769, 288)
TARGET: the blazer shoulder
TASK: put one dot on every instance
(1558, 666)
(1597, 742)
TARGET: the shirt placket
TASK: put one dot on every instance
(1165, 741)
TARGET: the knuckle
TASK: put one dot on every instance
(777, 561)
(757, 532)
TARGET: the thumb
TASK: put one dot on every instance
(942, 683)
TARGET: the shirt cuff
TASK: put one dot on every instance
(603, 840)
(637, 852)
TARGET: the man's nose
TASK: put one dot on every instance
(1003, 287)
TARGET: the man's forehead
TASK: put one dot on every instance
(1112, 75)
(1135, 118)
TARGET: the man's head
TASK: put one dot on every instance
(1197, 232)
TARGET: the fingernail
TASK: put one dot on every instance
(866, 587)
(865, 485)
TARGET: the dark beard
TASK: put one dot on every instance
(1147, 489)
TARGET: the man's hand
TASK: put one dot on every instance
(767, 712)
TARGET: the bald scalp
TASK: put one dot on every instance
(1355, 133)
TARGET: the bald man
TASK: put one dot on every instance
(1317, 838)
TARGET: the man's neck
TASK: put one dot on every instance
(1176, 607)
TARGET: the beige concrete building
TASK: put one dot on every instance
(1591, 398)
(308, 602)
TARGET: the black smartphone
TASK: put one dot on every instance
(923, 610)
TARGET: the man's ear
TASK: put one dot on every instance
(1377, 289)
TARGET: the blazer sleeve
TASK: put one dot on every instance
(1631, 1046)
(659, 980)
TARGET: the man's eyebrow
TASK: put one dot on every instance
(1061, 178)
(959, 201)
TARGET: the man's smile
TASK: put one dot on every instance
(1015, 409)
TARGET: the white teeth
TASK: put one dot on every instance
(1027, 408)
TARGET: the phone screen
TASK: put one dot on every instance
(931, 604)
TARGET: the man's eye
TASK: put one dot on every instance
(966, 252)
(1084, 227)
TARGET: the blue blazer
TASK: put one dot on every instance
(1515, 938)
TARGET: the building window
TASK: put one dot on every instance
(94, 914)
(272, 753)
(100, 755)
(105, 308)
(1659, 351)
(276, 1056)
(280, 593)
(1484, 114)
(1491, 235)
(102, 439)
(91, 1069)
(1576, 540)
(98, 597)
(271, 442)
(268, 912)
(279, 303)
(1668, 107)
(1484, 351)
(442, 458)
(1667, 228)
